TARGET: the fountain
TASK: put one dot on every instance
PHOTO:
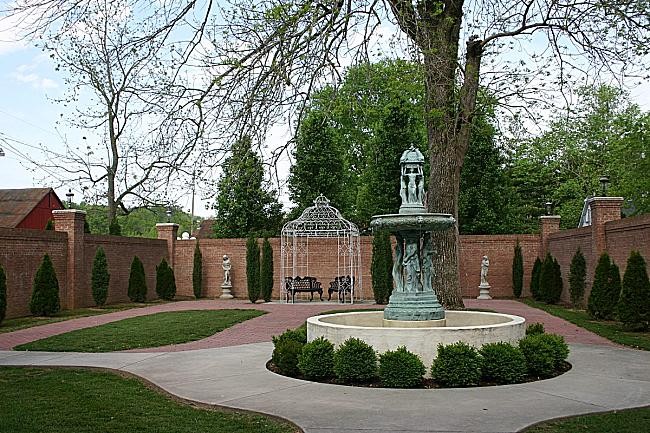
(413, 317)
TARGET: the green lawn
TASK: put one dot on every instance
(10, 325)
(146, 331)
(632, 420)
(79, 401)
(611, 330)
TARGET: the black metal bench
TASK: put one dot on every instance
(341, 285)
(303, 284)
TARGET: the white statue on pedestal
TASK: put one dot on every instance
(484, 287)
(227, 284)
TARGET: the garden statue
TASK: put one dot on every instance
(227, 284)
(484, 287)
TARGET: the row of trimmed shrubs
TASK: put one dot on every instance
(538, 355)
(627, 301)
(45, 300)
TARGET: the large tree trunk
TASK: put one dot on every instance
(435, 27)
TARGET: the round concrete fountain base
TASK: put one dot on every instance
(473, 327)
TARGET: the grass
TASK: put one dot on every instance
(154, 330)
(632, 420)
(10, 325)
(611, 330)
(80, 401)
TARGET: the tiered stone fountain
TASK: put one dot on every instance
(413, 317)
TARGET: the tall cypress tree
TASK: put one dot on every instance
(100, 278)
(517, 271)
(137, 290)
(604, 290)
(547, 278)
(266, 271)
(45, 293)
(381, 267)
(534, 280)
(558, 285)
(253, 269)
(165, 281)
(244, 206)
(634, 303)
(577, 277)
(197, 272)
(3, 293)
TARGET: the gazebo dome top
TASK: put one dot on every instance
(320, 220)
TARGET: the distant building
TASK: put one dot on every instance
(28, 208)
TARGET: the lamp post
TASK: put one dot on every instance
(549, 207)
(168, 212)
(604, 183)
(69, 196)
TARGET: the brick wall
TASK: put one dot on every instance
(500, 252)
(563, 246)
(322, 262)
(21, 253)
(119, 255)
(626, 235)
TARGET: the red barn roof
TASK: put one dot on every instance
(27, 207)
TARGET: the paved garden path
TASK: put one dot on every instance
(230, 373)
(279, 317)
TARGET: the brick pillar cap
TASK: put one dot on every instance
(166, 225)
(550, 217)
(68, 211)
(613, 200)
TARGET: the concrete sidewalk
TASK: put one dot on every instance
(602, 379)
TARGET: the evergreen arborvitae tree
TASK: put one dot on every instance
(165, 282)
(556, 290)
(86, 227)
(3, 293)
(45, 294)
(253, 269)
(547, 279)
(266, 271)
(100, 278)
(197, 272)
(114, 228)
(49, 225)
(577, 278)
(614, 286)
(137, 290)
(603, 297)
(381, 267)
(634, 303)
(244, 206)
(534, 280)
(517, 271)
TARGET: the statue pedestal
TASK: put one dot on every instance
(414, 306)
(484, 291)
(225, 291)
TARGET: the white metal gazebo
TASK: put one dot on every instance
(324, 246)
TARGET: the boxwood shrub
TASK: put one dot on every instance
(355, 361)
(503, 363)
(535, 328)
(457, 365)
(401, 369)
(544, 353)
(287, 347)
(317, 359)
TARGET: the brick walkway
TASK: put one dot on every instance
(279, 318)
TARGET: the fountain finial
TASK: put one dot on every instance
(412, 181)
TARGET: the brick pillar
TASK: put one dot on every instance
(603, 210)
(71, 221)
(548, 224)
(168, 232)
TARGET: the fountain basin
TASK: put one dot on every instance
(473, 327)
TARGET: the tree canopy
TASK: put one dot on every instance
(245, 207)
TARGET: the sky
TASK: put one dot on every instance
(29, 119)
